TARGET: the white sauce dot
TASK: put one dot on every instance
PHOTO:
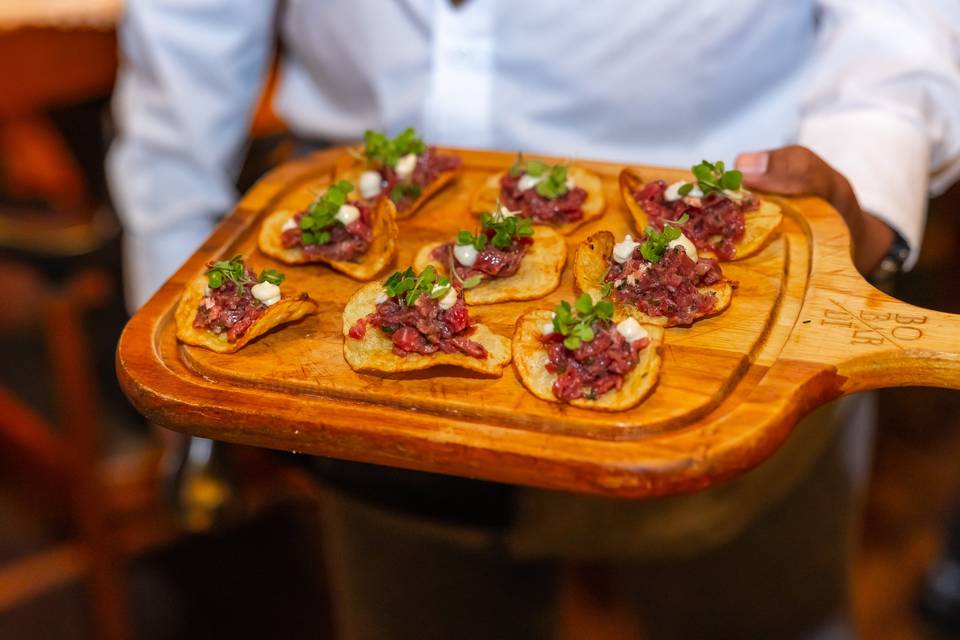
(370, 184)
(406, 165)
(672, 194)
(347, 213)
(289, 224)
(527, 181)
(688, 247)
(623, 250)
(466, 254)
(266, 292)
(631, 330)
(735, 196)
(448, 300)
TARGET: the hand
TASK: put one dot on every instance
(796, 170)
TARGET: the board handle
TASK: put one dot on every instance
(896, 344)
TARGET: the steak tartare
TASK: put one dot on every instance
(668, 288)
(716, 221)
(567, 207)
(229, 309)
(424, 324)
(595, 367)
(430, 164)
(345, 242)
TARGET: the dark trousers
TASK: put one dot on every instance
(785, 575)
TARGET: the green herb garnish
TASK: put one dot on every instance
(534, 168)
(233, 270)
(712, 177)
(578, 327)
(479, 241)
(378, 147)
(407, 286)
(272, 276)
(655, 242)
(403, 190)
(321, 215)
(555, 184)
(505, 229)
(554, 178)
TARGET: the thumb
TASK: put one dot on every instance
(789, 170)
(796, 170)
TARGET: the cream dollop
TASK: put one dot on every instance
(466, 254)
(623, 250)
(547, 327)
(631, 330)
(527, 181)
(347, 213)
(688, 247)
(266, 292)
(672, 194)
(406, 165)
(370, 184)
(448, 300)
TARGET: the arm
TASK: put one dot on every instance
(185, 92)
(880, 108)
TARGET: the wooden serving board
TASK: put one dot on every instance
(803, 328)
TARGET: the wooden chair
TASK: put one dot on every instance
(60, 466)
(44, 68)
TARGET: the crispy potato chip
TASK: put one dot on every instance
(292, 306)
(530, 360)
(485, 199)
(374, 352)
(381, 253)
(351, 164)
(590, 266)
(538, 275)
(760, 225)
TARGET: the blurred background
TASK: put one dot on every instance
(91, 544)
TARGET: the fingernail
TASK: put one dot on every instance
(753, 163)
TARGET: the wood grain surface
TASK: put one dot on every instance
(803, 328)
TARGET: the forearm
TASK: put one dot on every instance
(182, 106)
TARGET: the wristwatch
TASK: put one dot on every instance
(892, 264)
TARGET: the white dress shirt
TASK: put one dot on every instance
(870, 85)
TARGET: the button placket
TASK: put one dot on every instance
(459, 96)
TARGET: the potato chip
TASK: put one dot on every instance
(590, 265)
(485, 199)
(760, 225)
(530, 360)
(538, 275)
(374, 352)
(291, 307)
(381, 253)
(350, 165)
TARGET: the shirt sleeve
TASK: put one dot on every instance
(881, 105)
(189, 75)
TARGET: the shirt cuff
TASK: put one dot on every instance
(885, 158)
